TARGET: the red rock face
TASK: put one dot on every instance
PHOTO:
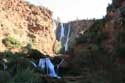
(78, 27)
(28, 24)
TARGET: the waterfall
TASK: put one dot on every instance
(67, 40)
(62, 32)
(45, 63)
(4, 65)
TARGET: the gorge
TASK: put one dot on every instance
(93, 50)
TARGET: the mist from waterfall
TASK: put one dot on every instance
(62, 35)
(66, 45)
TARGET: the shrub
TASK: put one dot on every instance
(11, 42)
(120, 51)
(24, 76)
(94, 34)
(58, 47)
(93, 47)
(4, 77)
(122, 11)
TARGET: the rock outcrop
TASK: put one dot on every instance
(104, 33)
(102, 46)
(79, 27)
(22, 24)
(75, 29)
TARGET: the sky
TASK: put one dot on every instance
(68, 10)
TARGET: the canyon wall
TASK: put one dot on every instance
(23, 24)
(71, 31)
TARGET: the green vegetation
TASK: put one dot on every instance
(20, 70)
(27, 76)
(11, 42)
(94, 36)
(106, 60)
(122, 10)
(58, 47)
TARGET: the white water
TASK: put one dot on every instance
(3, 64)
(33, 63)
(66, 45)
(46, 62)
(62, 32)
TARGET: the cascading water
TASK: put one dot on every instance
(64, 37)
(67, 39)
(46, 63)
(62, 32)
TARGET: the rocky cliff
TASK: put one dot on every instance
(104, 33)
(23, 24)
(102, 46)
(79, 27)
(71, 31)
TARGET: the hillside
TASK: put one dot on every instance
(22, 24)
(100, 49)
